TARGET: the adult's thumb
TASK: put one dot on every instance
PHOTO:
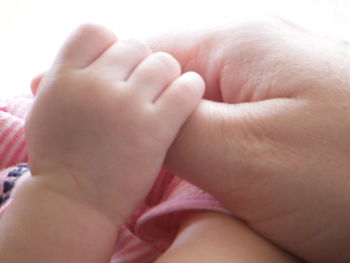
(241, 152)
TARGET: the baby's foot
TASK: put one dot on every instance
(104, 118)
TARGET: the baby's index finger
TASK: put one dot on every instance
(84, 45)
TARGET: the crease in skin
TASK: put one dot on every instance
(239, 232)
(275, 216)
(203, 63)
(296, 243)
(313, 235)
(299, 138)
(307, 246)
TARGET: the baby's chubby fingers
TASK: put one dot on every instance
(153, 75)
(180, 98)
(105, 105)
(36, 83)
(121, 58)
(84, 45)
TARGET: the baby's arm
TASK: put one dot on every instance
(103, 118)
(42, 226)
(216, 237)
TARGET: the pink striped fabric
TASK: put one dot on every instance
(152, 227)
(12, 140)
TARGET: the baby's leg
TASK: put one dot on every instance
(215, 237)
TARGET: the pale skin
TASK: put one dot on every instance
(213, 237)
(91, 108)
(72, 177)
(279, 146)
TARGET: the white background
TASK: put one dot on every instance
(31, 31)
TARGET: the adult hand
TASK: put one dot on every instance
(277, 153)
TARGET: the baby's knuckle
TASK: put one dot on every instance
(138, 45)
(89, 29)
(166, 60)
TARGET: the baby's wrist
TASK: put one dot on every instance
(64, 189)
(56, 220)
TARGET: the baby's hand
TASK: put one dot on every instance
(104, 117)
